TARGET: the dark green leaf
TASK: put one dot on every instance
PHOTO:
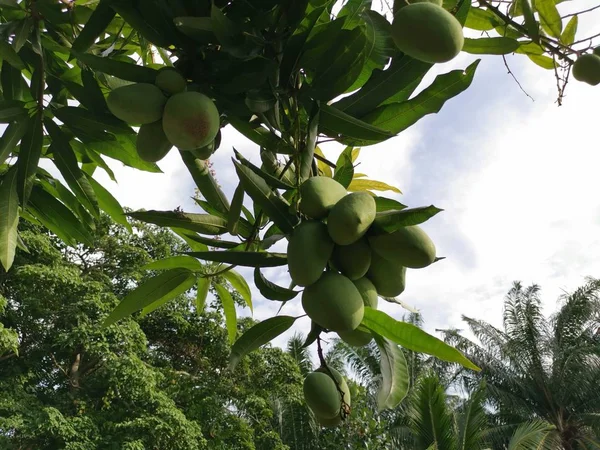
(394, 373)
(9, 218)
(10, 80)
(261, 136)
(12, 110)
(313, 334)
(189, 238)
(119, 69)
(412, 337)
(8, 54)
(96, 101)
(205, 182)
(344, 169)
(203, 240)
(532, 26)
(60, 192)
(276, 208)
(163, 287)
(80, 118)
(22, 33)
(248, 259)
(239, 284)
(229, 310)
(201, 223)
(334, 122)
(308, 152)
(11, 137)
(235, 210)
(142, 26)
(95, 26)
(108, 203)
(390, 221)
(490, 46)
(175, 262)
(29, 157)
(272, 181)
(257, 336)
(201, 293)
(271, 290)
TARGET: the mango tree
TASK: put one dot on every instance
(132, 80)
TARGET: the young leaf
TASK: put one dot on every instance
(29, 157)
(490, 46)
(272, 204)
(344, 170)
(248, 259)
(9, 218)
(323, 167)
(11, 137)
(235, 210)
(229, 310)
(336, 122)
(202, 293)
(205, 182)
(175, 262)
(271, 290)
(371, 185)
(95, 26)
(119, 69)
(568, 35)
(394, 373)
(390, 221)
(239, 284)
(201, 223)
(257, 336)
(549, 16)
(108, 203)
(164, 286)
(412, 337)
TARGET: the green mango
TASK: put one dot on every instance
(309, 248)
(353, 260)
(322, 395)
(388, 278)
(151, 143)
(359, 338)
(351, 217)
(587, 69)
(318, 195)
(170, 81)
(137, 104)
(408, 246)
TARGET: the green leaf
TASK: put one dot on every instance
(397, 117)
(370, 185)
(236, 209)
(60, 192)
(272, 181)
(8, 54)
(390, 221)
(9, 218)
(248, 259)
(229, 310)
(386, 204)
(205, 182)
(531, 25)
(81, 118)
(334, 122)
(344, 169)
(276, 208)
(201, 223)
(481, 19)
(543, 61)
(257, 336)
(11, 137)
(95, 26)
(549, 17)
(58, 218)
(239, 284)
(143, 27)
(163, 287)
(384, 84)
(190, 236)
(11, 110)
(394, 373)
(93, 94)
(175, 262)
(108, 203)
(119, 69)
(270, 290)
(490, 46)
(202, 293)
(123, 149)
(261, 136)
(412, 337)
(308, 152)
(22, 33)
(568, 35)
(29, 157)
(313, 334)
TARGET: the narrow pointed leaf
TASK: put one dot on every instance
(181, 289)
(205, 182)
(11, 137)
(532, 25)
(203, 241)
(168, 285)
(119, 69)
(248, 259)
(11, 110)
(413, 338)
(394, 372)
(270, 290)
(313, 334)
(336, 122)
(549, 17)
(273, 205)
(308, 152)
(235, 210)
(108, 203)
(29, 157)
(257, 336)
(201, 223)
(371, 185)
(386, 204)
(229, 310)
(175, 262)
(9, 218)
(241, 285)
(8, 54)
(390, 221)
(568, 35)
(344, 169)
(545, 62)
(490, 46)
(202, 293)
(272, 181)
(95, 26)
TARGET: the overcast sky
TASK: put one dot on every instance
(517, 179)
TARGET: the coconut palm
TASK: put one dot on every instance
(541, 368)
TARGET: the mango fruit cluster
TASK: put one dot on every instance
(587, 68)
(424, 30)
(327, 395)
(168, 115)
(343, 263)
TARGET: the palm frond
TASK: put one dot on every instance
(534, 435)
(301, 355)
(472, 421)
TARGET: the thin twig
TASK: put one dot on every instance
(586, 39)
(515, 78)
(58, 366)
(325, 160)
(581, 12)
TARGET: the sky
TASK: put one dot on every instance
(517, 180)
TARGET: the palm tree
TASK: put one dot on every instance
(547, 369)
